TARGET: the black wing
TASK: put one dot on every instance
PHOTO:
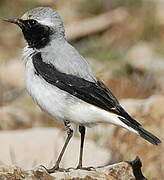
(94, 93)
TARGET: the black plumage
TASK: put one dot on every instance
(95, 93)
(36, 34)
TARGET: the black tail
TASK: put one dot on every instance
(148, 136)
(142, 132)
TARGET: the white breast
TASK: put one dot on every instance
(48, 97)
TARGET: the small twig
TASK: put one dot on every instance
(12, 155)
(136, 166)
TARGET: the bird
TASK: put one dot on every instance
(63, 84)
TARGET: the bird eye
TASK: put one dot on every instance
(33, 22)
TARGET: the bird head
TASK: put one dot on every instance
(39, 26)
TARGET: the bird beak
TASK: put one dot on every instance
(15, 21)
(18, 22)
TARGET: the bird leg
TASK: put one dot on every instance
(69, 136)
(82, 132)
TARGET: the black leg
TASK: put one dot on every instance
(69, 135)
(82, 132)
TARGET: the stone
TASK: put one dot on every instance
(121, 171)
(143, 57)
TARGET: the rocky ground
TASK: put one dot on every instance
(123, 42)
(121, 171)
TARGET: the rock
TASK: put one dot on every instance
(33, 147)
(143, 57)
(121, 171)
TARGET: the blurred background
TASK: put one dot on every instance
(124, 42)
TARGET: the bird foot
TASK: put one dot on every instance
(55, 169)
(86, 168)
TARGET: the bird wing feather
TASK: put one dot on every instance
(95, 93)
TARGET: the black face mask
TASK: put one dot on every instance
(36, 34)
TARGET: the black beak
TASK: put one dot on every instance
(18, 22)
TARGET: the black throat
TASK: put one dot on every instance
(36, 34)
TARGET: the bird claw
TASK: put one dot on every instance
(87, 168)
(82, 168)
(54, 169)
